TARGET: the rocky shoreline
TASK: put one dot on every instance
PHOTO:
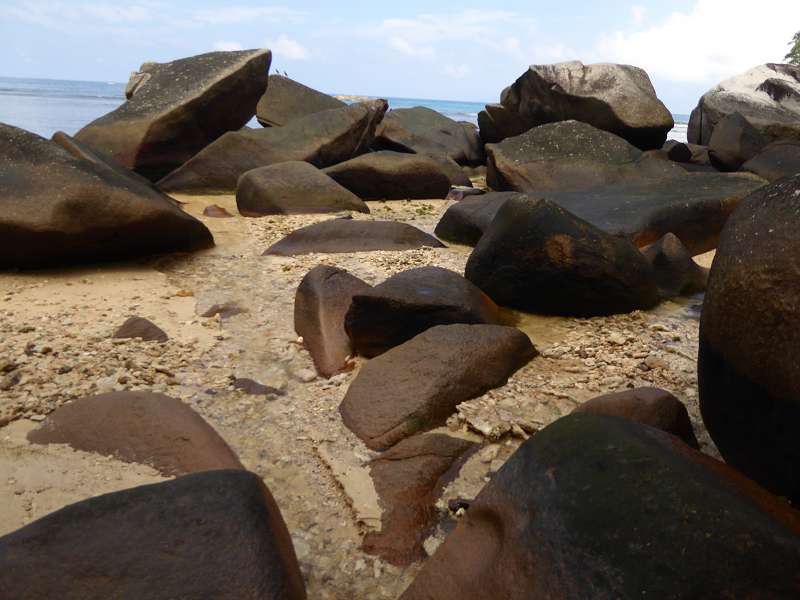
(427, 435)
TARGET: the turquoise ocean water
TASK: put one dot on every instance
(45, 106)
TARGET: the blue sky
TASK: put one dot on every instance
(442, 50)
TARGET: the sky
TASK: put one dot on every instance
(411, 49)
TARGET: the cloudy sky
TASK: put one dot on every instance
(411, 48)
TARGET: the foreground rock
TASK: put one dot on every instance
(648, 406)
(98, 214)
(536, 256)
(139, 427)
(392, 176)
(320, 305)
(409, 478)
(465, 221)
(747, 368)
(675, 271)
(217, 534)
(179, 108)
(140, 328)
(291, 188)
(286, 100)
(778, 160)
(322, 139)
(616, 98)
(410, 302)
(768, 96)
(424, 131)
(350, 235)
(417, 385)
(734, 142)
(600, 507)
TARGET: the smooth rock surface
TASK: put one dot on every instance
(734, 142)
(675, 270)
(777, 160)
(465, 221)
(286, 100)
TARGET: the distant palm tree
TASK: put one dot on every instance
(794, 54)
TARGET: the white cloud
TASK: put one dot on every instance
(403, 46)
(288, 48)
(61, 15)
(638, 13)
(714, 40)
(457, 71)
(229, 15)
(227, 46)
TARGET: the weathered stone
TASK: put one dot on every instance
(216, 534)
(183, 106)
(768, 96)
(99, 213)
(350, 235)
(748, 372)
(497, 123)
(139, 427)
(216, 212)
(289, 188)
(286, 100)
(600, 507)
(409, 477)
(536, 256)
(776, 161)
(734, 142)
(425, 131)
(615, 98)
(139, 327)
(410, 302)
(465, 222)
(390, 175)
(677, 151)
(648, 406)
(416, 386)
(254, 388)
(322, 139)
(675, 271)
(320, 305)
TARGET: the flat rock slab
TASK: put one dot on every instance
(538, 257)
(139, 427)
(416, 386)
(600, 507)
(424, 131)
(180, 107)
(216, 534)
(320, 305)
(410, 302)
(286, 100)
(409, 478)
(100, 212)
(291, 188)
(392, 176)
(350, 235)
(322, 139)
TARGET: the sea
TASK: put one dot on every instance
(45, 106)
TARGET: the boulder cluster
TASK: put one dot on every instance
(574, 204)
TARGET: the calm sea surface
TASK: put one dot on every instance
(45, 106)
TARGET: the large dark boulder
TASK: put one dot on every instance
(425, 131)
(748, 370)
(675, 270)
(216, 534)
(291, 188)
(320, 305)
(734, 142)
(768, 96)
(349, 235)
(600, 507)
(496, 123)
(615, 98)
(465, 221)
(391, 175)
(569, 155)
(410, 302)
(536, 256)
(286, 100)
(409, 478)
(416, 386)
(777, 160)
(59, 209)
(179, 108)
(648, 406)
(139, 427)
(322, 139)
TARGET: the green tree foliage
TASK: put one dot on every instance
(794, 54)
